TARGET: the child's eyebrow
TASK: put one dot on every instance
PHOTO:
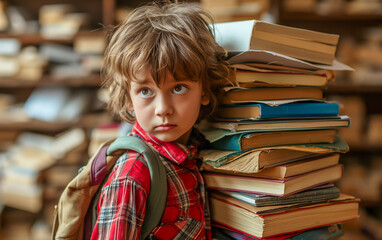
(141, 81)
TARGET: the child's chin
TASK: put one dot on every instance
(166, 137)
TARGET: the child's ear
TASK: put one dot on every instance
(205, 99)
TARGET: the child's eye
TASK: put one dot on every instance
(180, 89)
(145, 92)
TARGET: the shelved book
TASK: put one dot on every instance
(320, 193)
(243, 141)
(235, 125)
(275, 187)
(283, 170)
(243, 95)
(302, 44)
(286, 110)
(268, 221)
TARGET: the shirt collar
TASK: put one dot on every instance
(176, 152)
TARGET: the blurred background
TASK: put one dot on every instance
(52, 110)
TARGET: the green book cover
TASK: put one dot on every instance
(217, 158)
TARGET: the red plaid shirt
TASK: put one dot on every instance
(122, 205)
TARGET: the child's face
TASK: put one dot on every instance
(168, 111)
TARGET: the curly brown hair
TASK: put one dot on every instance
(157, 37)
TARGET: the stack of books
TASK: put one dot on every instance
(274, 152)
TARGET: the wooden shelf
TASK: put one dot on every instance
(340, 87)
(87, 121)
(311, 16)
(37, 38)
(89, 81)
(362, 148)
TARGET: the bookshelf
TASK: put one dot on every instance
(363, 161)
(353, 88)
(98, 15)
(102, 13)
(87, 121)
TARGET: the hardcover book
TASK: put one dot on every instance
(258, 35)
(243, 141)
(260, 222)
(283, 170)
(330, 232)
(280, 78)
(244, 95)
(287, 110)
(320, 193)
(248, 161)
(254, 160)
(279, 187)
(236, 125)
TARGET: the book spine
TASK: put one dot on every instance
(300, 109)
(232, 142)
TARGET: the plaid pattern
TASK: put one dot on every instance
(122, 205)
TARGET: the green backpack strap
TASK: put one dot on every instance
(157, 198)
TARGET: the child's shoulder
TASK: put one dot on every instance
(130, 166)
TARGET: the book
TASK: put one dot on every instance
(56, 146)
(270, 67)
(254, 160)
(243, 95)
(93, 45)
(262, 42)
(260, 222)
(320, 193)
(9, 66)
(248, 161)
(276, 59)
(284, 170)
(276, 38)
(60, 54)
(220, 232)
(45, 103)
(101, 134)
(299, 43)
(330, 232)
(32, 64)
(293, 109)
(275, 187)
(280, 78)
(25, 197)
(9, 46)
(282, 124)
(242, 141)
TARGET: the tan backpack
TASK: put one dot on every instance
(75, 214)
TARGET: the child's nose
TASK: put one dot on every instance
(163, 106)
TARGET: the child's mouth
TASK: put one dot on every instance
(165, 127)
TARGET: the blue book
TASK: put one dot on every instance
(243, 141)
(287, 110)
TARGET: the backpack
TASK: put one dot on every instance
(75, 212)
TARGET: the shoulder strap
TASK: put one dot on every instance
(157, 198)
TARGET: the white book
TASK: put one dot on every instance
(46, 103)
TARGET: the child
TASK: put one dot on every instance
(162, 67)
